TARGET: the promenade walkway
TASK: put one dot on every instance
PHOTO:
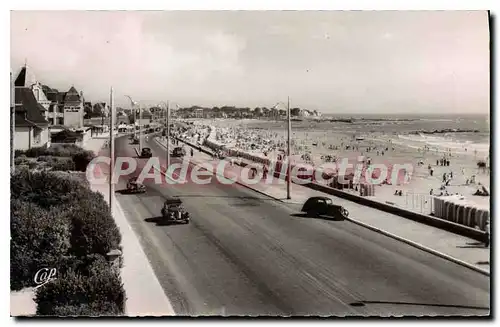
(449, 245)
(145, 296)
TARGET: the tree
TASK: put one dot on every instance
(295, 111)
(88, 110)
(97, 110)
(257, 112)
(131, 118)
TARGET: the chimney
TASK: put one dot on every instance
(54, 117)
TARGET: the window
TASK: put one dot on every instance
(60, 121)
(37, 135)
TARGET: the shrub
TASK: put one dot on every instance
(39, 239)
(93, 228)
(62, 164)
(61, 150)
(87, 310)
(81, 159)
(46, 189)
(100, 293)
(36, 152)
(21, 160)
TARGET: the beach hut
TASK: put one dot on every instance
(482, 217)
(367, 190)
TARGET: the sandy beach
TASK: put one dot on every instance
(370, 142)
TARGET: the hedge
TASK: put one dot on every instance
(58, 222)
(39, 239)
(65, 150)
(93, 228)
(80, 157)
(57, 163)
(46, 189)
(100, 293)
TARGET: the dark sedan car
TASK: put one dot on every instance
(146, 153)
(133, 186)
(323, 206)
(179, 152)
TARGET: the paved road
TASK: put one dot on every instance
(244, 254)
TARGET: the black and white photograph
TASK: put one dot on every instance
(250, 163)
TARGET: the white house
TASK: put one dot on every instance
(31, 128)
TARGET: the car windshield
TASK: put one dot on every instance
(328, 201)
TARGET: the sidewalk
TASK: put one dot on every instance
(145, 296)
(451, 246)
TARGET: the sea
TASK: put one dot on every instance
(463, 134)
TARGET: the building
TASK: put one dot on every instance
(66, 108)
(60, 108)
(31, 126)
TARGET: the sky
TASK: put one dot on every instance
(332, 61)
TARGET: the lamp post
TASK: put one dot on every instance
(167, 122)
(112, 150)
(289, 152)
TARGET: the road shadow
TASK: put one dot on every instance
(363, 303)
(306, 216)
(478, 246)
(159, 221)
(127, 192)
(218, 196)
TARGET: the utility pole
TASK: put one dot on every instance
(288, 169)
(140, 128)
(12, 123)
(135, 120)
(112, 151)
(168, 134)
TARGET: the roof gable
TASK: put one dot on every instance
(28, 110)
(25, 78)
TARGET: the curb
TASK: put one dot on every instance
(421, 247)
(142, 253)
(380, 231)
(148, 266)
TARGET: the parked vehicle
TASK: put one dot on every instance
(323, 206)
(179, 152)
(135, 141)
(133, 186)
(173, 212)
(146, 153)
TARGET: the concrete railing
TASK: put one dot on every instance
(415, 216)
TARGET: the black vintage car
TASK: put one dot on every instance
(135, 140)
(323, 206)
(146, 153)
(173, 212)
(179, 152)
(133, 186)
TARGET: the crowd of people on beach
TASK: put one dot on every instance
(309, 147)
